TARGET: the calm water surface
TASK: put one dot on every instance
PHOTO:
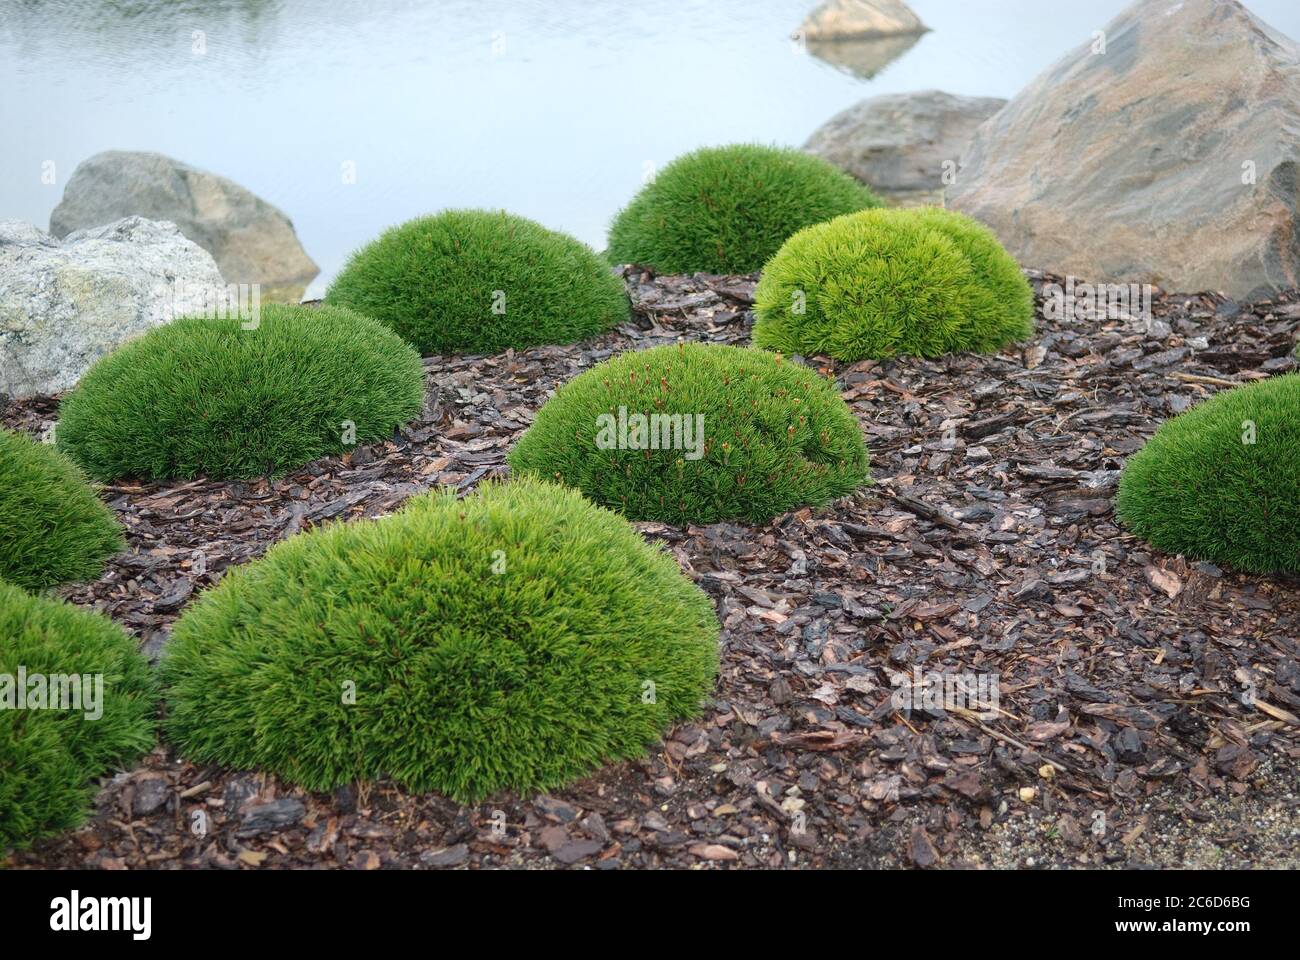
(555, 109)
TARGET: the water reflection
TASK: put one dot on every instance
(862, 58)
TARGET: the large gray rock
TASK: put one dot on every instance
(1169, 158)
(899, 143)
(252, 241)
(860, 20)
(63, 305)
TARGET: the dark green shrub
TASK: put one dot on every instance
(515, 639)
(1221, 482)
(205, 396)
(775, 436)
(728, 209)
(478, 281)
(887, 282)
(53, 529)
(49, 758)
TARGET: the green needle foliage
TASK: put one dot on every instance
(516, 639)
(49, 758)
(728, 209)
(479, 281)
(882, 283)
(773, 436)
(53, 529)
(1221, 482)
(205, 396)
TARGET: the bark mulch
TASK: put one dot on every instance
(1137, 690)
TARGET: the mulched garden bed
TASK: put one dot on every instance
(1139, 692)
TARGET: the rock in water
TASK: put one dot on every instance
(900, 143)
(1165, 151)
(252, 241)
(63, 305)
(860, 19)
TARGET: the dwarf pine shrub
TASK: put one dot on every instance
(207, 396)
(1221, 482)
(883, 283)
(76, 701)
(53, 528)
(516, 639)
(728, 209)
(698, 433)
(480, 281)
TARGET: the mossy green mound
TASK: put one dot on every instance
(76, 701)
(518, 638)
(53, 528)
(1221, 482)
(885, 283)
(207, 396)
(698, 433)
(480, 282)
(728, 209)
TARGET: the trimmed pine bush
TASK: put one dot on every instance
(698, 433)
(516, 639)
(1221, 482)
(480, 281)
(996, 271)
(728, 209)
(50, 758)
(53, 528)
(883, 283)
(205, 396)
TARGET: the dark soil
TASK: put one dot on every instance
(1148, 705)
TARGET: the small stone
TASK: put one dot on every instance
(446, 857)
(553, 837)
(270, 817)
(921, 848)
(1128, 746)
(780, 691)
(577, 850)
(556, 809)
(239, 790)
(345, 798)
(713, 851)
(150, 794)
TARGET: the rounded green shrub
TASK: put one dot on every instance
(480, 281)
(728, 209)
(996, 272)
(53, 528)
(76, 700)
(698, 433)
(1221, 482)
(883, 283)
(207, 396)
(515, 639)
